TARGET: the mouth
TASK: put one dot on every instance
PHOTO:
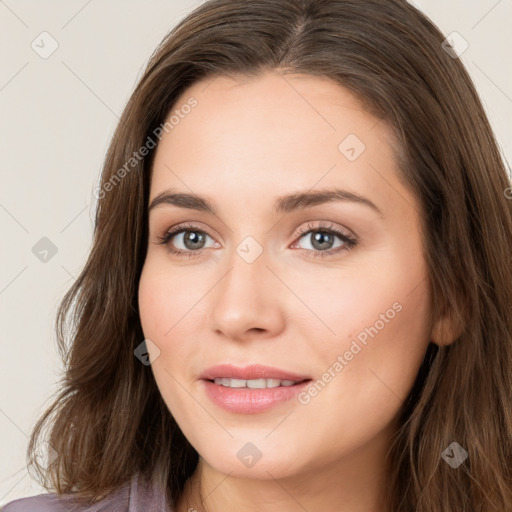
(255, 383)
(251, 389)
(253, 375)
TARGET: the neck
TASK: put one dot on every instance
(354, 484)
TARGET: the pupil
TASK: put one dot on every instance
(191, 238)
(320, 238)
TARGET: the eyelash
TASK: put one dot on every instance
(349, 242)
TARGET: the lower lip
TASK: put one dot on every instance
(250, 400)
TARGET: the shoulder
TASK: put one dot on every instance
(41, 503)
(115, 502)
(137, 495)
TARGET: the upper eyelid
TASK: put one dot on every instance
(328, 226)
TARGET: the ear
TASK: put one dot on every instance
(446, 329)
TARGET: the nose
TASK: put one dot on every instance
(245, 303)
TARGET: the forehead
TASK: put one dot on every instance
(304, 105)
(274, 132)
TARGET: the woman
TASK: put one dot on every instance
(224, 357)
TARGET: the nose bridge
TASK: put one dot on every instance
(245, 280)
(244, 298)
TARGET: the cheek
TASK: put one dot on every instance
(169, 319)
(152, 306)
(160, 309)
(367, 368)
(166, 297)
(377, 320)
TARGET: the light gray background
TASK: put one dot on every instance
(57, 116)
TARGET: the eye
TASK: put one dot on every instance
(321, 237)
(322, 240)
(190, 237)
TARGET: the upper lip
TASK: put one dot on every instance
(253, 371)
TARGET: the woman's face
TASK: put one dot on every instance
(309, 263)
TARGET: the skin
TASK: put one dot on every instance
(247, 142)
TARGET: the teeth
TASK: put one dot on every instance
(252, 383)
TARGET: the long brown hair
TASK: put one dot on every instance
(109, 421)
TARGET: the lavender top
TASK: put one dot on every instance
(135, 496)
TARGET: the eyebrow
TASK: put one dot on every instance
(283, 204)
